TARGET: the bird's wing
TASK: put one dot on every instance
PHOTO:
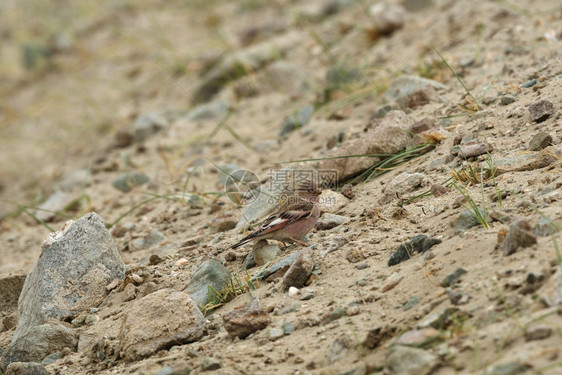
(278, 221)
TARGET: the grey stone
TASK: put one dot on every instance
(541, 110)
(387, 17)
(411, 361)
(527, 161)
(264, 252)
(212, 110)
(419, 244)
(440, 319)
(529, 83)
(511, 368)
(539, 141)
(210, 273)
(210, 364)
(472, 149)
(159, 321)
(26, 368)
(57, 202)
(453, 277)
(404, 85)
(301, 269)
(507, 99)
(520, 235)
(51, 358)
(149, 124)
(127, 181)
(276, 334)
(175, 370)
(332, 315)
(411, 302)
(76, 264)
(403, 183)
(328, 221)
(545, 227)
(537, 332)
(551, 292)
(37, 343)
(467, 219)
(419, 337)
(249, 261)
(339, 348)
(287, 328)
(283, 263)
(297, 120)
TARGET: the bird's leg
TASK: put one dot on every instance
(299, 242)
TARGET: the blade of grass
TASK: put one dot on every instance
(458, 78)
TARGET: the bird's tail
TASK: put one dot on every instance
(243, 241)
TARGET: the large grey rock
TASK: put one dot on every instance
(210, 273)
(75, 265)
(159, 321)
(39, 342)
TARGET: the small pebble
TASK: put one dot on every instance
(293, 291)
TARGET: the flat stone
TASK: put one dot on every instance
(511, 368)
(243, 322)
(406, 360)
(275, 334)
(328, 221)
(127, 181)
(142, 332)
(419, 337)
(453, 277)
(405, 85)
(392, 281)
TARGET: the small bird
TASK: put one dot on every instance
(292, 221)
